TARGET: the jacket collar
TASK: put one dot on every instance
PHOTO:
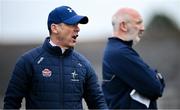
(52, 44)
(128, 43)
(55, 50)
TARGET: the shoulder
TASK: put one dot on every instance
(25, 61)
(32, 54)
(117, 51)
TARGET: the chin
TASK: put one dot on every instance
(136, 41)
(72, 45)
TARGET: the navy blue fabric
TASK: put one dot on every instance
(60, 90)
(123, 71)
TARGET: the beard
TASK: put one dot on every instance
(133, 38)
(134, 35)
(136, 40)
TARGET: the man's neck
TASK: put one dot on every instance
(121, 36)
(53, 44)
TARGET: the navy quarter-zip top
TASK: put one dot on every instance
(124, 71)
(50, 79)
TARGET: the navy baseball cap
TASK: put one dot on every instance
(67, 15)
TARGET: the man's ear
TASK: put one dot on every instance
(123, 26)
(54, 28)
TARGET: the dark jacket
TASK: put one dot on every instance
(123, 71)
(49, 79)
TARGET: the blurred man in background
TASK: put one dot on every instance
(54, 75)
(128, 82)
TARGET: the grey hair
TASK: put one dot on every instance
(115, 22)
(118, 18)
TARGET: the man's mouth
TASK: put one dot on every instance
(75, 36)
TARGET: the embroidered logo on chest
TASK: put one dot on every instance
(46, 72)
(74, 76)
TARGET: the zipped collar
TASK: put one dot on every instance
(52, 44)
(128, 43)
(55, 50)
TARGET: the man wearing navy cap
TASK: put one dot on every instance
(54, 75)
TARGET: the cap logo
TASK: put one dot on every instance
(46, 72)
(69, 9)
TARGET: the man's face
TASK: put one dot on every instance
(67, 35)
(135, 29)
